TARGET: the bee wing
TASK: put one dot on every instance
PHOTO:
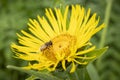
(43, 47)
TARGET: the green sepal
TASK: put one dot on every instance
(97, 53)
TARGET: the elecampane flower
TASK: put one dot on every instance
(58, 38)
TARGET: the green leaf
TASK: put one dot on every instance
(31, 78)
(44, 75)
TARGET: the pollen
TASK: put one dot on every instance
(61, 46)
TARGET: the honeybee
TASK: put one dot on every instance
(46, 45)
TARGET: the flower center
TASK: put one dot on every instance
(59, 46)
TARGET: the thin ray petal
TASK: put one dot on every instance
(48, 29)
(85, 51)
(63, 65)
(73, 67)
(52, 20)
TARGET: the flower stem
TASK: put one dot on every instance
(106, 20)
(83, 73)
(103, 36)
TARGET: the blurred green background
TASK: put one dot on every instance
(14, 15)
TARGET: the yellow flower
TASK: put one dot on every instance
(58, 39)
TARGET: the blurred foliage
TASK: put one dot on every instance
(14, 15)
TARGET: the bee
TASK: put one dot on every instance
(46, 45)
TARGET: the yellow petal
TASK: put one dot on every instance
(85, 51)
(52, 20)
(73, 67)
(37, 30)
(63, 64)
(47, 28)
